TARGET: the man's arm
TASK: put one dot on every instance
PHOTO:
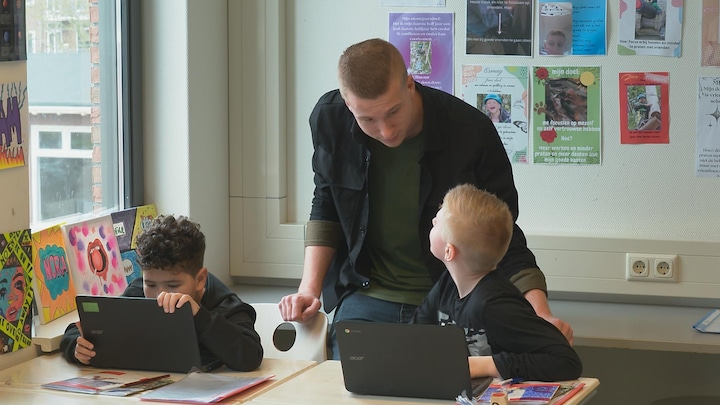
(538, 299)
(306, 302)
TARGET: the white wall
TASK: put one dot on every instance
(185, 72)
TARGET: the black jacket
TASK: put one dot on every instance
(225, 327)
(461, 146)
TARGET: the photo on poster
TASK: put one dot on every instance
(556, 28)
(566, 115)
(650, 27)
(501, 93)
(499, 27)
(644, 107)
(710, 42)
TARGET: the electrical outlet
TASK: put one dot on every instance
(664, 268)
(637, 267)
(651, 267)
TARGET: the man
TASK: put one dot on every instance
(387, 149)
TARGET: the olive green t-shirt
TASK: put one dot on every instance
(398, 272)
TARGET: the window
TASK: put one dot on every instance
(79, 88)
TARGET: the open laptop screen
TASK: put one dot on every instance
(136, 333)
(407, 360)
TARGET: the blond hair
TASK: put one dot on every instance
(479, 224)
(368, 68)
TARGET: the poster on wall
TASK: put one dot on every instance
(12, 30)
(13, 111)
(644, 107)
(710, 41)
(499, 27)
(16, 300)
(425, 41)
(650, 28)
(501, 93)
(566, 115)
(707, 144)
(572, 27)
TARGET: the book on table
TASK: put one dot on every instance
(110, 382)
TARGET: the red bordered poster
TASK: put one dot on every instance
(644, 107)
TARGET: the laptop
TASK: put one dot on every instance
(136, 333)
(406, 360)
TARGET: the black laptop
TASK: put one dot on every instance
(406, 360)
(136, 333)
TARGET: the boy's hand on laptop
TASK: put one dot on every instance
(83, 348)
(170, 301)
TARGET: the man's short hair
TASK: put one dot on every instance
(170, 243)
(367, 68)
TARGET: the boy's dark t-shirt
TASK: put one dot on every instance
(225, 327)
(501, 323)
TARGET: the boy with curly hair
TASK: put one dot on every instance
(170, 253)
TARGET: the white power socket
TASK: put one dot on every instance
(651, 267)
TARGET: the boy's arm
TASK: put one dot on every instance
(228, 331)
(525, 345)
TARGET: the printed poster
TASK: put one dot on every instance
(650, 28)
(566, 115)
(572, 27)
(13, 112)
(16, 273)
(710, 33)
(644, 107)
(501, 93)
(707, 155)
(425, 41)
(499, 27)
(54, 288)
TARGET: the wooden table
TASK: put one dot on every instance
(324, 385)
(24, 381)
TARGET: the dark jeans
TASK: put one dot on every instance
(359, 307)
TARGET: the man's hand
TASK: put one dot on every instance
(539, 302)
(170, 301)
(83, 348)
(298, 307)
(562, 325)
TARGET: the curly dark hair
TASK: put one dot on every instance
(170, 243)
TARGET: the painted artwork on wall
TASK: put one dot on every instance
(13, 107)
(16, 273)
(53, 284)
(94, 257)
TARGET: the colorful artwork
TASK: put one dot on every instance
(130, 266)
(124, 225)
(16, 295)
(13, 106)
(53, 285)
(144, 215)
(94, 257)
